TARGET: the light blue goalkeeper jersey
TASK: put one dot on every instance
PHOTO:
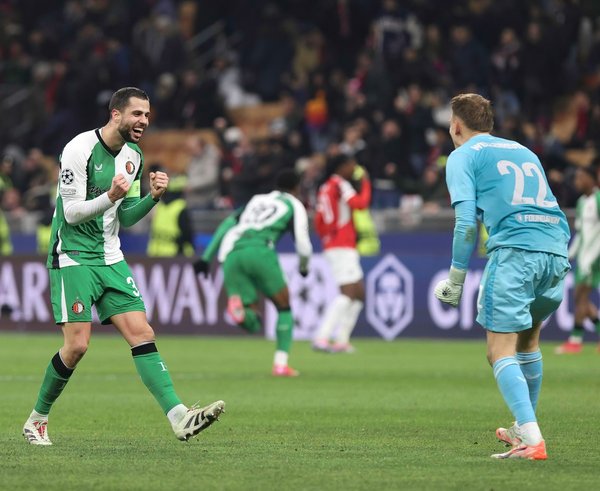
(511, 193)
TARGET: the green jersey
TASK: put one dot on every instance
(85, 225)
(264, 220)
(585, 247)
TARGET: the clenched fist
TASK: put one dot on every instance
(118, 189)
(158, 184)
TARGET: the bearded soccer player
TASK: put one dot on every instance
(99, 190)
(503, 183)
(245, 242)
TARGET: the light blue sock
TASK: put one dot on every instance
(532, 367)
(514, 390)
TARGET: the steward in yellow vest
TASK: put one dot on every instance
(170, 229)
(367, 238)
(6, 247)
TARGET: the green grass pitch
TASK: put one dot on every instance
(402, 415)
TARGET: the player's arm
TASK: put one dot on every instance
(301, 236)
(73, 188)
(186, 238)
(133, 208)
(202, 264)
(574, 247)
(461, 185)
(588, 256)
(357, 201)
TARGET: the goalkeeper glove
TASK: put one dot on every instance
(201, 267)
(450, 290)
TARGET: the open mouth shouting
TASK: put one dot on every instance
(137, 132)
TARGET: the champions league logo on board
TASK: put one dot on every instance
(390, 297)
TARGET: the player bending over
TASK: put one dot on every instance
(245, 242)
(503, 183)
(99, 189)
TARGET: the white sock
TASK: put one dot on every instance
(530, 433)
(348, 322)
(281, 358)
(575, 339)
(37, 416)
(175, 414)
(335, 312)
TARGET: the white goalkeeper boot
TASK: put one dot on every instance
(197, 419)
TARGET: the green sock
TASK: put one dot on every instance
(252, 322)
(56, 377)
(577, 331)
(596, 322)
(155, 375)
(284, 330)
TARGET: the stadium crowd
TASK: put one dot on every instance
(367, 78)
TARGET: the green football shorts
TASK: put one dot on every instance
(112, 289)
(252, 269)
(592, 279)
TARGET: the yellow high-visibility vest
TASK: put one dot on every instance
(6, 247)
(43, 234)
(165, 231)
(367, 239)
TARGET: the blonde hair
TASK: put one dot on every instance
(475, 111)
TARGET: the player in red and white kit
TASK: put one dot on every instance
(333, 222)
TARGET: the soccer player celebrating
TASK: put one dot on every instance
(333, 222)
(99, 189)
(245, 242)
(503, 183)
(585, 248)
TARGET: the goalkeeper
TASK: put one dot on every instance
(504, 183)
(245, 242)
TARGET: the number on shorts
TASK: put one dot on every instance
(131, 281)
(526, 169)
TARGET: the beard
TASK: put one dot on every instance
(126, 132)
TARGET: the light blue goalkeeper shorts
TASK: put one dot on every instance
(520, 288)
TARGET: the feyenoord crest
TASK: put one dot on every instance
(78, 307)
(129, 167)
(67, 176)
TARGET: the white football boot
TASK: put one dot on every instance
(197, 419)
(35, 432)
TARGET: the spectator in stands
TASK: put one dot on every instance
(203, 169)
(468, 60)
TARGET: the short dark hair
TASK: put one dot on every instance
(120, 99)
(474, 110)
(287, 180)
(335, 162)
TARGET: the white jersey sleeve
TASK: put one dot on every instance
(301, 234)
(73, 187)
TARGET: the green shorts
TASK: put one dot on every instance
(112, 289)
(251, 270)
(592, 280)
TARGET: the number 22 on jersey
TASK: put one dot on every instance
(523, 172)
